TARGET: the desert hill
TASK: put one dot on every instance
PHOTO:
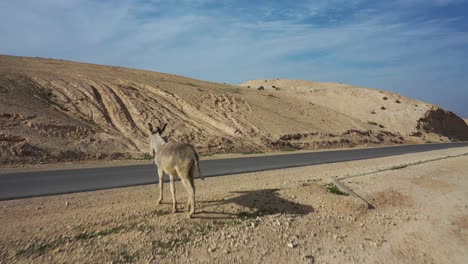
(389, 110)
(55, 110)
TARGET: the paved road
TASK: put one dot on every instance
(40, 183)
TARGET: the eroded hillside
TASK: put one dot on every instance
(54, 110)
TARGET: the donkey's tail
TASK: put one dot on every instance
(196, 168)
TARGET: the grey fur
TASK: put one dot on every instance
(177, 160)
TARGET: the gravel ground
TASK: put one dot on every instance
(420, 215)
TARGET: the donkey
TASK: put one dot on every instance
(175, 159)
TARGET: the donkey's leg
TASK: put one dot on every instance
(190, 186)
(191, 195)
(187, 188)
(161, 185)
(174, 202)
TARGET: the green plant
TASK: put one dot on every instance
(93, 234)
(332, 188)
(126, 257)
(253, 152)
(146, 156)
(39, 248)
(397, 167)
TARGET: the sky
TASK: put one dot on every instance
(418, 48)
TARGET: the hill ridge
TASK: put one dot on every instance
(54, 110)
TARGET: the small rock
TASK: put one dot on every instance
(67, 203)
(291, 245)
(309, 258)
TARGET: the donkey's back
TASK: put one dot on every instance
(178, 159)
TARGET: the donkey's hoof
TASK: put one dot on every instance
(160, 201)
(174, 211)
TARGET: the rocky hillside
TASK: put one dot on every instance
(54, 110)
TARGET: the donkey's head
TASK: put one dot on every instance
(158, 130)
(156, 138)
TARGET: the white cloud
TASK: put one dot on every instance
(232, 45)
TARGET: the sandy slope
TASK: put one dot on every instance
(54, 110)
(391, 111)
(282, 216)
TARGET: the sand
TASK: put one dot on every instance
(54, 111)
(280, 216)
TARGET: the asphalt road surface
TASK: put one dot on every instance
(41, 183)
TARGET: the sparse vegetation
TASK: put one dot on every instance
(235, 90)
(261, 88)
(125, 257)
(94, 234)
(372, 123)
(165, 246)
(385, 98)
(397, 167)
(373, 112)
(332, 188)
(253, 152)
(39, 248)
(397, 101)
(383, 108)
(146, 156)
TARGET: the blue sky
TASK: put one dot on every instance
(418, 48)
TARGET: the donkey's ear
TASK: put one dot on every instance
(162, 128)
(150, 126)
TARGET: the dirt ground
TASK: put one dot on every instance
(420, 215)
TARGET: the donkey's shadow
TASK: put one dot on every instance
(259, 202)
